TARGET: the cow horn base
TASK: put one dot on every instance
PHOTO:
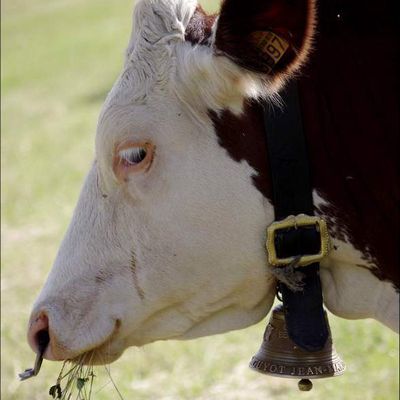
(281, 357)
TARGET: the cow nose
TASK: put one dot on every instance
(39, 337)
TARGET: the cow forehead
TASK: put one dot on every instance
(137, 99)
(157, 26)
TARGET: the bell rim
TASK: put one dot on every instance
(310, 377)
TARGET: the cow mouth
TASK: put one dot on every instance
(105, 353)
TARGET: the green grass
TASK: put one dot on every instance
(59, 59)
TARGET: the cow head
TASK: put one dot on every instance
(166, 241)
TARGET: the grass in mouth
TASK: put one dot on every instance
(75, 380)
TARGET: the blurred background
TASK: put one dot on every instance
(59, 59)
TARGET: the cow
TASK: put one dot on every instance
(167, 240)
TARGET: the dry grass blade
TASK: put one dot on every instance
(112, 381)
(107, 368)
(73, 383)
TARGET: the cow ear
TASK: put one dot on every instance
(272, 37)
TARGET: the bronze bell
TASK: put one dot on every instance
(280, 356)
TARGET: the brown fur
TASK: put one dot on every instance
(350, 117)
(198, 30)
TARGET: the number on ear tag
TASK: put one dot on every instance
(271, 46)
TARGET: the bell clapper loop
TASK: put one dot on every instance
(305, 385)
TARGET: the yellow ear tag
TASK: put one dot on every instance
(271, 46)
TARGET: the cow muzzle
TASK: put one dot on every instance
(45, 340)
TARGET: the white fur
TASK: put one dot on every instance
(350, 289)
(194, 223)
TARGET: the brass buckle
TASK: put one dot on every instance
(294, 221)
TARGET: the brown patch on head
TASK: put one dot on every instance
(199, 28)
(244, 138)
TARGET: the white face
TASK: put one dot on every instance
(167, 239)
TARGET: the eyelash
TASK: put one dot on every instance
(133, 155)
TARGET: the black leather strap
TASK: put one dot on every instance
(305, 320)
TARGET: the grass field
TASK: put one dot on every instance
(59, 59)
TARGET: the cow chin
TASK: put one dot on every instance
(106, 353)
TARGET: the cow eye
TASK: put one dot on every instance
(131, 158)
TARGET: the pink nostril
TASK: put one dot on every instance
(38, 334)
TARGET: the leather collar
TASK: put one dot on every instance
(292, 195)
